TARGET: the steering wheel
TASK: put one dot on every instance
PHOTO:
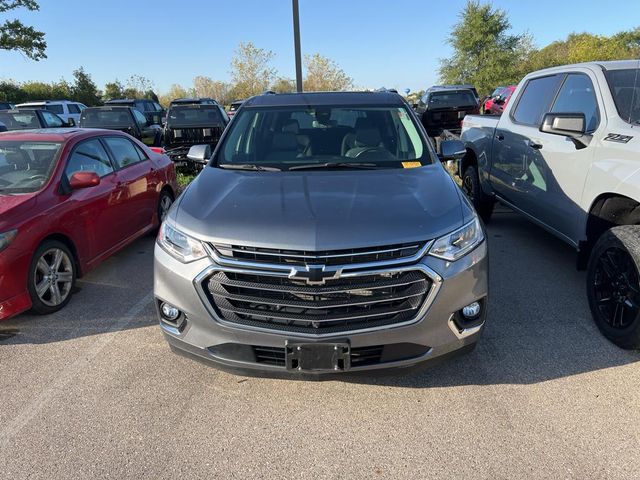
(371, 150)
(33, 177)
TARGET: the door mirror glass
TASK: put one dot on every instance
(199, 153)
(84, 180)
(452, 150)
(565, 124)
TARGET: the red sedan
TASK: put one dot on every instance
(69, 198)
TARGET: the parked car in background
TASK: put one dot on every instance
(192, 123)
(27, 118)
(486, 102)
(194, 101)
(565, 154)
(69, 198)
(65, 109)
(443, 108)
(355, 252)
(500, 101)
(6, 106)
(233, 108)
(124, 119)
(153, 111)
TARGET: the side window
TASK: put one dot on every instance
(577, 96)
(57, 108)
(140, 118)
(536, 99)
(124, 152)
(89, 156)
(51, 120)
(73, 108)
(139, 106)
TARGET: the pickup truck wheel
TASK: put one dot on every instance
(471, 187)
(613, 286)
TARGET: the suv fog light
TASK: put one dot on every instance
(169, 312)
(471, 311)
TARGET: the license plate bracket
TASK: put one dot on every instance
(318, 357)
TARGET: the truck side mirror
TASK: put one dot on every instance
(566, 124)
(452, 150)
(199, 153)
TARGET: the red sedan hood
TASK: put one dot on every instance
(13, 207)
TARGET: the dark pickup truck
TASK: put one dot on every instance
(192, 124)
(444, 108)
(125, 119)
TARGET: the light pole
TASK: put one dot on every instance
(296, 43)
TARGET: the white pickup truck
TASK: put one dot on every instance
(566, 154)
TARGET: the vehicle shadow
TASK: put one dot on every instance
(539, 324)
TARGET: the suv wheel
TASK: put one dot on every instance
(471, 187)
(52, 275)
(613, 287)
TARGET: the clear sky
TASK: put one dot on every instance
(392, 43)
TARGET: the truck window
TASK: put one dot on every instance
(625, 89)
(577, 96)
(536, 100)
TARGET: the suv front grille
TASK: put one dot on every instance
(333, 257)
(340, 305)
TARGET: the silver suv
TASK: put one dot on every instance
(323, 236)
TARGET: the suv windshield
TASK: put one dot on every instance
(194, 116)
(625, 89)
(92, 117)
(26, 166)
(323, 136)
(19, 120)
(458, 98)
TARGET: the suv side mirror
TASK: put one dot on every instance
(71, 122)
(83, 180)
(452, 150)
(566, 124)
(199, 153)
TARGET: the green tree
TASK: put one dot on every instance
(14, 35)
(84, 90)
(113, 90)
(484, 53)
(176, 91)
(251, 70)
(323, 74)
(283, 85)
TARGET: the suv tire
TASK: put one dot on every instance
(613, 288)
(482, 202)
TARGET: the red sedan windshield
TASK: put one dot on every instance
(26, 166)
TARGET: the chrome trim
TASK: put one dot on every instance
(436, 283)
(316, 257)
(465, 332)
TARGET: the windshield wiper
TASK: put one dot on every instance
(366, 166)
(249, 166)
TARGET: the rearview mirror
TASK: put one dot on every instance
(84, 180)
(566, 124)
(71, 122)
(199, 153)
(452, 150)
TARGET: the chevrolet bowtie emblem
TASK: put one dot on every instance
(313, 274)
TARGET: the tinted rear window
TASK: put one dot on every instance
(19, 120)
(105, 118)
(461, 98)
(194, 115)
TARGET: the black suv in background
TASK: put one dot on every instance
(28, 118)
(152, 110)
(124, 119)
(191, 124)
(193, 101)
(444, 107)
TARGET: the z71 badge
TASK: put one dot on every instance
(616, 137)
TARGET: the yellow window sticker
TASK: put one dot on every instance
(411, 164)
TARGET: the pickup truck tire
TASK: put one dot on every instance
(471, 187)
(613, 288)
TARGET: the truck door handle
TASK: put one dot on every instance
(500, 137)
(534, 145)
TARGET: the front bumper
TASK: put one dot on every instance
(14, 297)
(432, 335)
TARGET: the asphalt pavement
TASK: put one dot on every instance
(94, 392)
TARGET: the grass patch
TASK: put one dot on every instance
(185, 179)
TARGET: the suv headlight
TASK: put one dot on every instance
(6, 238)
(459, 242)
(180, 245)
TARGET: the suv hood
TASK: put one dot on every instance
(320, 210)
